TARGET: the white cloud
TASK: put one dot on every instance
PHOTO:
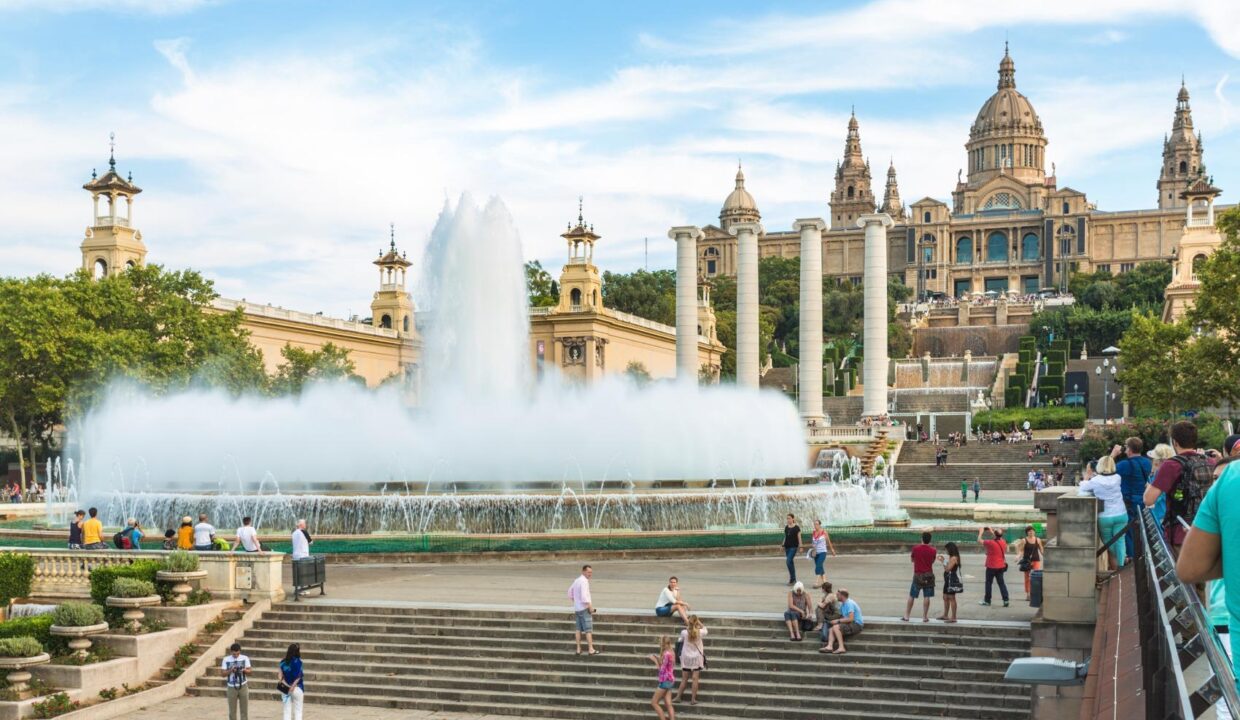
(154, 7)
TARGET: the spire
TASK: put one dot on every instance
(852, 143)
(1007, 70)
(740, 176)
(112, 152)
(891, 195)
(392, 235)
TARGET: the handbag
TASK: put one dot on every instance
(951, 582)
(923, 580)
(1024, 565)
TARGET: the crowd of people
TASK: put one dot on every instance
(12, 492)
(86, 533)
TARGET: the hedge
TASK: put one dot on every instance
(101, 577)
(1044, 418)
(16, 575)
(36, 627)
(1099, 439)
(1012, 397)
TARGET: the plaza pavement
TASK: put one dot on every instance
(204, 707)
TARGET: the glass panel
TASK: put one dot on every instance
(996, 247)
(964, 250)
(996, 284)
(1029, 247)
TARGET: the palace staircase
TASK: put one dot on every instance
(999, 467)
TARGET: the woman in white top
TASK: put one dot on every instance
(669, 603)
(1113, 517)
(692, 657)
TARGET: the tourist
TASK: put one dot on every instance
(669, 602)
(583, 608)
(1231, 446)
(666, 662)
(1184, 479)
(797, 616)
(75, 530)
(1133, 469)
(1030, 548)
(247, 537)
(170, 539)
(301, 541)
(964, 491)
(791, 545)
(291, 683)
(692, 658)
(204, 534)
(977, 489)
(236, 668)
(185, 534)
(820, 541)
(996, 562)
(922, 555)
(828, 609)
(1031, 480)
(92, 532)
(952, 584)
(849, 623)
(1161, 453)
(131, 536)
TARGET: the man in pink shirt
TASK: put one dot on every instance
(583, 608)
(1184, 479)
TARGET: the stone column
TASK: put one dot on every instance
(746, 302)
(809, 368)
(874, 369)
(686, 237)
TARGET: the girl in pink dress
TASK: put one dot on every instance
(666, 662)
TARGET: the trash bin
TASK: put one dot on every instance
(1035, 588)
(309, 573)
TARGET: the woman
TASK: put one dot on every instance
(666, 662)
(797, 612)
(170, 539)
(185, 534)
(952, 586)
(1114, 516)
(692, 657)
(828, 609)
(291, 686)
(1030, 548)
(821, 541)
(1161, 453)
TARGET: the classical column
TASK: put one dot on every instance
(746, 302)
(809, 368)
(686, 237)
(874, 369)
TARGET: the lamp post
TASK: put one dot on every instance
(1106, 371)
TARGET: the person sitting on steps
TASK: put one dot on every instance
(669, 602)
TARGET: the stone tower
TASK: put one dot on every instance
(891, 196)
(739, 207)
(392, 306)
(1007, 138)
(1182, 163)
(112, 243)
(581, 286)
(853, 195)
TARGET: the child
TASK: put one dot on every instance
(666, 661)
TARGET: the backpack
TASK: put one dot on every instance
(1195, 479)
(121, 540)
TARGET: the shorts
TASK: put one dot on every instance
(848, 629)
(585, 620)
(667, 684)
(914, 591)
(204, 548)
(663, 610)
(792, 615)
(96, 546)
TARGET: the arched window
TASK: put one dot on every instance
(386, 322)
(100, 269)
(1029, 247)
(1066, 208)
(130, 264)
(928, 238)
(1002, 201)
(405, 324)
(712, 260)
(996, 247)
(926, 217)
(575, 297)
(1197, 262)
(964, 250)
(1183, 167)
(851, 192)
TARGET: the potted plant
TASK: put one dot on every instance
(179, 567)
(78, 621)
(131, 595)
(17, 654)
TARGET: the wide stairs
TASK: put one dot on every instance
(522, 663)
(998, 467)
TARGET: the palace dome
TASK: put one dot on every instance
(1007, 112)
(740, 205)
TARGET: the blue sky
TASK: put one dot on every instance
(275, 141)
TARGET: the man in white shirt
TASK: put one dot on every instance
(301, 541)
(247, 536)
(204, 534)
(583, 608)
(236, 668)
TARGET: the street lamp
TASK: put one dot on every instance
(1106, 371)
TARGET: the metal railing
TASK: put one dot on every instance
(1185, 669)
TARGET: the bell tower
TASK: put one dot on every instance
(581, 287)
(1182, 162)
(392, 306)
(853, 195)
(112, 244)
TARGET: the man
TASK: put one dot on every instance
(1184, 479)
(1231, 446)
(236, 668)
(1134, 472)
(964, 491)
(849, 623)
(92, 532)
(247, 536)
(923, 556)
(1031, 480)
(301, 541)
(583, 608)
(996, 562)
(204, 534)
(75, 530)
(977, 489)
(791, 545)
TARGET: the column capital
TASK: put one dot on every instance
(817, 223)
(755, 228)
(685, 231)
(881, 218)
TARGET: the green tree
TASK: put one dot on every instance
(637, 372)
(542, 289)
(1144, 286)
(301, 367)
(651, 295)
(1152, 370)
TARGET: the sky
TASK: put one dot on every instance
(276, 141)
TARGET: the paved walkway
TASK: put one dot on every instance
(197, 707)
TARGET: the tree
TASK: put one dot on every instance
(1152, 367)
(1216, 309)
(1144, 286)
(542, 289)
(301, 367)
(651, 295)
(637, 372)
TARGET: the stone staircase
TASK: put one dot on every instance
(874, 450)
(843, 410)
(522, 663)
(999, 467)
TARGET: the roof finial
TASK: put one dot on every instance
(392, 234)
(112, 151)
(1005, 45)
(580, 220)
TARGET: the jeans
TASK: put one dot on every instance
(238, 695)
(996, 576)
(819, 561)
(1108, 526)
(790, 554)
(292, 704)
(1133, 505)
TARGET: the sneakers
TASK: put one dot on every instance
(1005, 603)
(984, 603)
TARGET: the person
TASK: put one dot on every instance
(996, 562)
(922, 555)
(1161, 453)
(291, 683)
(1031, 480)
(236, 668)
(791, 545)
(170, 539)
(1112, 517)
(692, 658)
(204, 534)
(952, 585)
(820, 541)
(828, 609)
(583, 608)
(133, 530)
(1133, 468)
(666, 662)
(185, 534)
(1183, 479)
(964, 491)
(669, 602)
(301, 541)
(75, 530)
(92, 532)
(1030, 548)
(1231, 446)
(797, 614)
(849, 623)
(247, 536)
(977, 488)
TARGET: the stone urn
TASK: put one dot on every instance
(17, 675)
(79, 636)
(180, 583)
(133, 609)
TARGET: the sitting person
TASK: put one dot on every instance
(849, 623)
(798, 616)
(828, 608)
(170, 539)
(669, 602)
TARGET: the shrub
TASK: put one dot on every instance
(77, 614)
(124, 587)
(109, 694)
(54, 705)
(35, 627)
(20, 647)
(101, 577)
(198, 597)
(1044, 418)
(180, 561)
(16, 574)
(1099, 439)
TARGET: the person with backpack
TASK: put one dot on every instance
(1184, 479)
(130, 538)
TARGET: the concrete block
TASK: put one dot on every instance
(1048, 500)
(1070, 609)
(1083, 584)
(153, 650)
(1071, 559)
(190, 616)
(93, 677)
(1054, 583)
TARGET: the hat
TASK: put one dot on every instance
(187, 519)
(1161, 451)
(1230, 443)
